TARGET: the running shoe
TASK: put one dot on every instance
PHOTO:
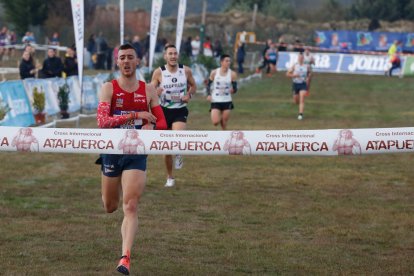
(123, 265)
(170, 182)
(179, 162)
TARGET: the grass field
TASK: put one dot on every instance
(229, 215)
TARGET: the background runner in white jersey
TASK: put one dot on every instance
(222, 84)
(175, 85)
(300, 74)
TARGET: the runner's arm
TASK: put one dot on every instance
(210, 82)
(190, 80)
(234, 82)
(103, 117)
(156, 80)
(156, 110)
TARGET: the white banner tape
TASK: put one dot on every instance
(328, 142)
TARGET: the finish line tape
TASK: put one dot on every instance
(328, 142)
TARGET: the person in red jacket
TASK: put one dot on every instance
(131, 104)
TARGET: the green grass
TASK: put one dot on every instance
(230, 215)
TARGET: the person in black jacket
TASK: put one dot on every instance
(70, 64)
(52, 66)
(26, 67)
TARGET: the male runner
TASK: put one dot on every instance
(175, 85)
(125, 103)
(271, 56)
(224, 84)
(308, 59)
(300, 73)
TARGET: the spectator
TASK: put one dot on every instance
(4, 41)
(265, 62)
(217, 49)
(70, 64)
(394, 55)
(282, 46)
(13, 41)
(27, 68)
(298, 46)
(115, 57)
(271, 57)
(195, 47)
(52, 65)
(207, 47)
(91, 48)
(28, 38)
(241, 53)
(101, 51)
(136, 43)
(55, 39)
(186, 49)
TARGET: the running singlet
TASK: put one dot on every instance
(124, 102)
(174, 87)
(272, 54)
(221, 87)
(302, 71)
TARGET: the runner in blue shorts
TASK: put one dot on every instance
(129, 104)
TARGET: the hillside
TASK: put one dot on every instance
(213, 6)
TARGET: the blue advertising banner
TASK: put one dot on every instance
(324, 62)
(342, 63)
(363, 41)
(90, 95)
(75, 93)
(408, 43)
(14, 95)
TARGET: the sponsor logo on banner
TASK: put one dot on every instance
(299, 146)
(364, 38)
(180, 23)
(368, 63)
(236, 144)
(346, 144)
(322, 61)
(320, 38)
(72, 142)
(390, 145)
(285, 145)
(78, 25)
(410, 40)
(131, 143)
(176, 142)
(25, 141)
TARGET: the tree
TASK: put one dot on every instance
(281, 9)
(23, 13)
(248, 5)
(389, 10)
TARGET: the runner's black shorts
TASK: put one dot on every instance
(222, 106)
(173, 115)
